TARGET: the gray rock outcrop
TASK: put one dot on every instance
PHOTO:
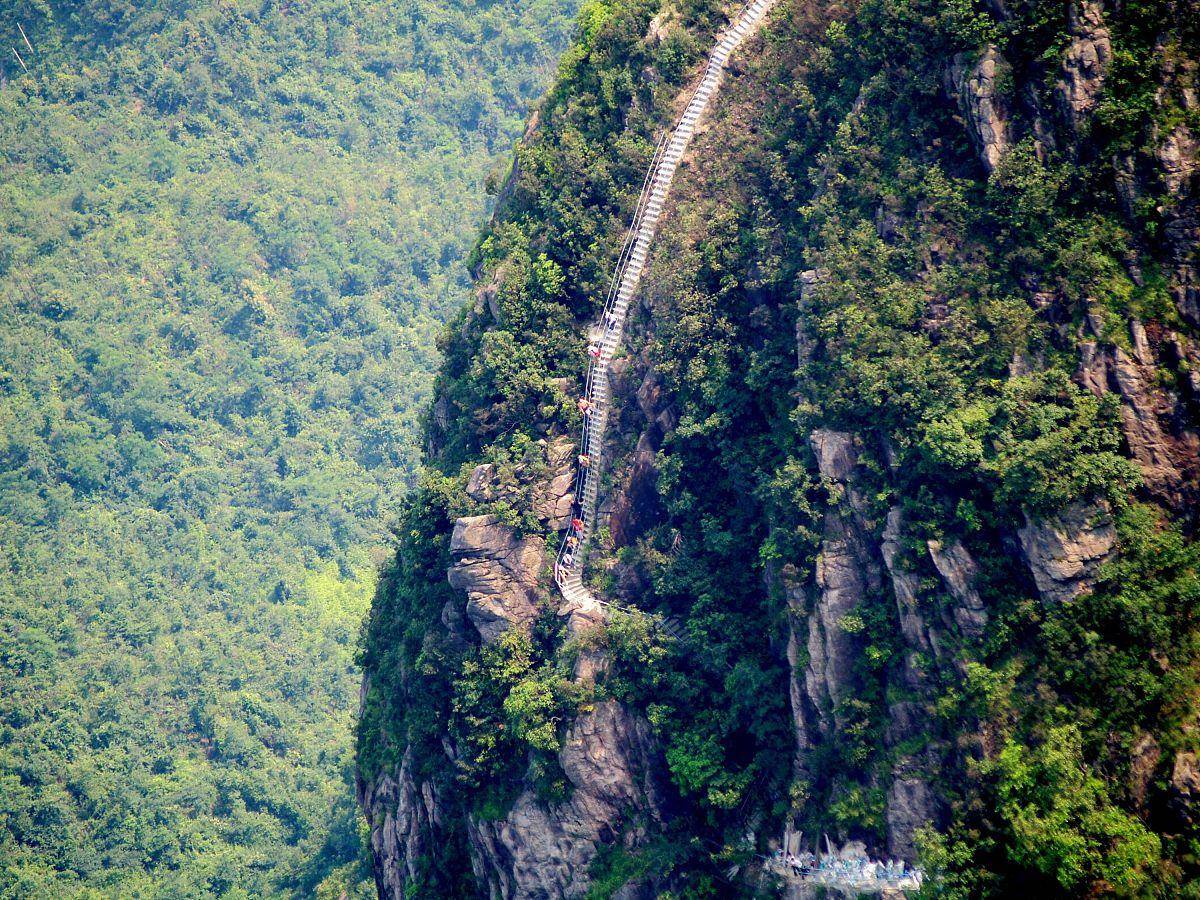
(498, 569)
(1184, 790)
(911, 806)
(823, 655)
(919, 637)
(1164, 455)
(543, 851)
(405, 816)
(1065, 551)
(845, 572)
(539, 849)
(498, 572)
(984, 106)
(958, 571)
(1084, 64)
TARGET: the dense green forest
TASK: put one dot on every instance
(230, 232)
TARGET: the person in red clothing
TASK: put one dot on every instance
(577, 524)
(594, 351)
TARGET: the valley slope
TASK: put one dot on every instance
(231, 233)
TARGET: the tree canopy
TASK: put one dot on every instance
(231, 232)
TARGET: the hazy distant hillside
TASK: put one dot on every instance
(230, 232)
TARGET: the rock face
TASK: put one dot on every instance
(404, 818)
(919, 637)
(543, 851)
(1177, 174)
(958, 571)
(1084, 64)
(845, 572)
(1176, 157)
(823, 655)
(538, 849)
(911, 805)
(1185, 788)
(1147, 439)
(977, 89)
(1152, 420)
(609, 757)
(498, 572)
(1065, 551)
(636, 506)
(1143, 760)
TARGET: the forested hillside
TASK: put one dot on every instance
(898, 507)
(229, 233)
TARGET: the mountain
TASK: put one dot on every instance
(894, 536)
(231, 234)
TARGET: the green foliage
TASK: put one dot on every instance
(1062, 822)
(507, 704)
(1126, 650)
(231, 233)
(613, 866)
(920, 286)
(637, 649)
(1043, 442)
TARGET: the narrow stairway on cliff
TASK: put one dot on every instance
(605, 337)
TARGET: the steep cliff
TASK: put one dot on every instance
(897, 528)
